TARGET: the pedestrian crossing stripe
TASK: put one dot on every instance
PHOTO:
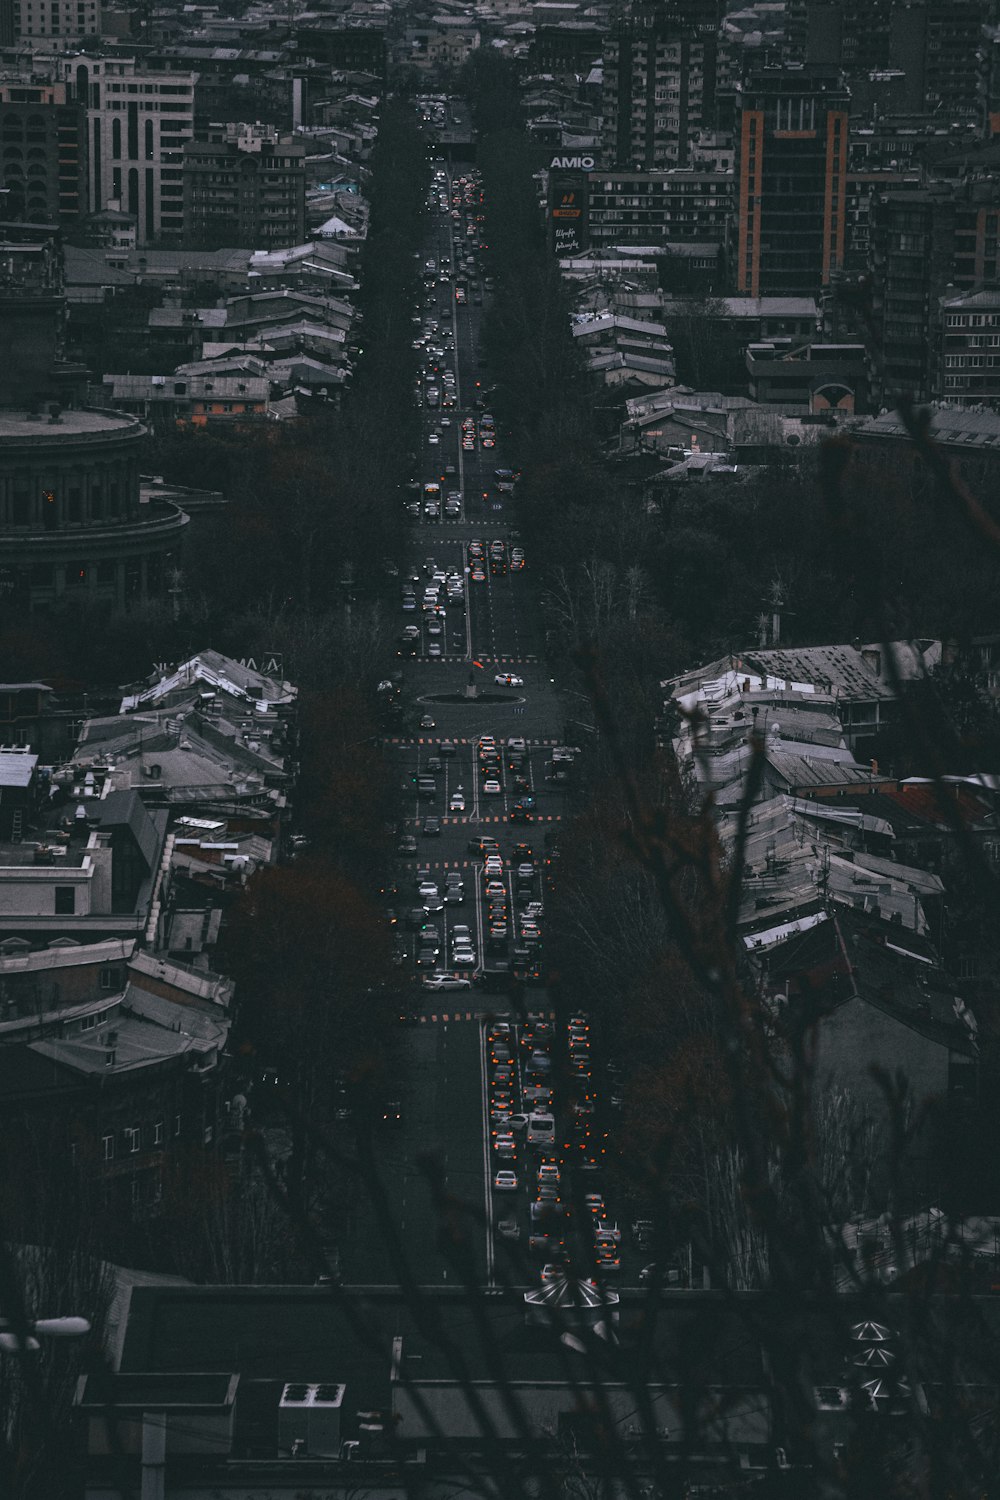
(476, 1015)
(459, 740)
(489, 818)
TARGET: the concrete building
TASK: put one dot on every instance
(791, 172)
(55, 18)
(70, 512)
(43, 161)
(245, 185)
(967, 368)
(138, 122)
(645, 208)
(659, 90)
(926, 243)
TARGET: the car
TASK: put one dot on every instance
(433, 439)
(491, 787)
(552, 1272)
(407, 845)
(464, 958)
(482, 845)
(505, 1181)
(508, 1229)
(434, 649)
(445, 982)
(548, 1172)
(508, 679)
(478, 575)
(493, 865)
(431, 828)
(594, 1204)
(427, 956)
(391, 1113)
(460, 930)
(433, 903)
(456, 802)
(427, 722)
(447, 748)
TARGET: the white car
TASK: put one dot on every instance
(491, 788)
(507, 679)
(456, 802)
(505, 1181)
(446, 982)
(433, 439)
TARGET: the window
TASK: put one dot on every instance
(158, 1133)
(110, 976)
(177, 1125)
(65, 900)
(108, 1143)
(133, 1138)
(87, 1023)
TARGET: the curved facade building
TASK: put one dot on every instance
(71, 522)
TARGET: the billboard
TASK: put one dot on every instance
(568, 200)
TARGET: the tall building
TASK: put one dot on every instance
(660, 77)
(936, 46)
(138, 122)
(926, 242)
(55, 18)
(43, 168)
(245, 185)
(791, 179)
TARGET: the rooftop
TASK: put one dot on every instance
(72, 422)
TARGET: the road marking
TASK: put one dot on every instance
(487, 1184)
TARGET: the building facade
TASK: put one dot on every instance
(70, 513)
(56, 18)
(792, 145)
(138, 123)
(659, 89)
(246, 186)
(923, 242)
(43, 153)
(967, 371)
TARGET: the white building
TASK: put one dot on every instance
(138, 121)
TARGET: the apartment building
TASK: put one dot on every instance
(967, 370)
(246, 186)
(926, 244)
(56, 18)
(138, 122)
(647, 208)
(791, 173)
(659, 88)
(43, 158)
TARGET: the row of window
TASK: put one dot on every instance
(132, 1138)
(972, 320)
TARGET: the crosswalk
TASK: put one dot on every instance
(447, 1017)
(490, 661)
(487, 818)
(439, 739)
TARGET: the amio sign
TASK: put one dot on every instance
(572, 164)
